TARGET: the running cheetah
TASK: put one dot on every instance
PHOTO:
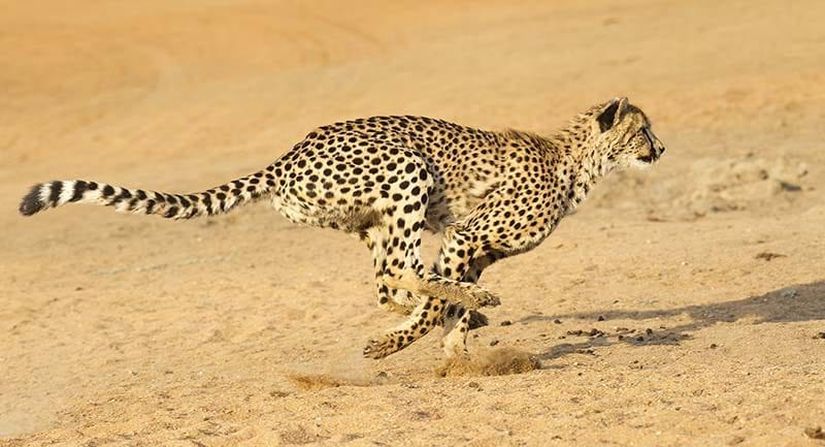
(386, 179)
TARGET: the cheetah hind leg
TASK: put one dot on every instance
(426, 316)
(472, 296)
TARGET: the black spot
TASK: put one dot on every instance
(108, 190)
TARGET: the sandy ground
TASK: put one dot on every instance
(658, 312)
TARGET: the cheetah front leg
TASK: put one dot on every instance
(459, 259)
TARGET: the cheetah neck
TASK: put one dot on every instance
(582, 165)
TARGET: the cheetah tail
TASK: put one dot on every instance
(213, 201)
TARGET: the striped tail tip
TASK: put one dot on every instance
(32, 203)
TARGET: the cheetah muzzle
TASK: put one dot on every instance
(386, 179)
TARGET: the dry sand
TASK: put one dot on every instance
(245, 329)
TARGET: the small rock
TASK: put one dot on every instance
(595, 333)
(736, 440)
(557, 321)
(649, 331)
(789, 293)
(506, 323)
(767, 256)
(815, 433)
(820, 335)
(493, 342)
(474, 385)
(713, 346)
(790, 187)
(601, 318)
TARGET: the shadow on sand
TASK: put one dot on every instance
(803, 302)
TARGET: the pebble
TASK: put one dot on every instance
(815, 433)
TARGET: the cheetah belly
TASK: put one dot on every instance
(349, 218)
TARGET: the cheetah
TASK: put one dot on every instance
(387, 179)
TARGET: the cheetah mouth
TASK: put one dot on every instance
(654, 156)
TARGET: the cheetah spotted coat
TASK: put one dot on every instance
(386, 179)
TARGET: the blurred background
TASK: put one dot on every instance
(135, 327)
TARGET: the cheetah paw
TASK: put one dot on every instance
(482, 297)
(380, 347)
(477, 320)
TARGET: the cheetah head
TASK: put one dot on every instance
(624, 135)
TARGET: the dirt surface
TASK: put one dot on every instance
(682, 305)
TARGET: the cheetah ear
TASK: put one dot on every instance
(611, 113)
